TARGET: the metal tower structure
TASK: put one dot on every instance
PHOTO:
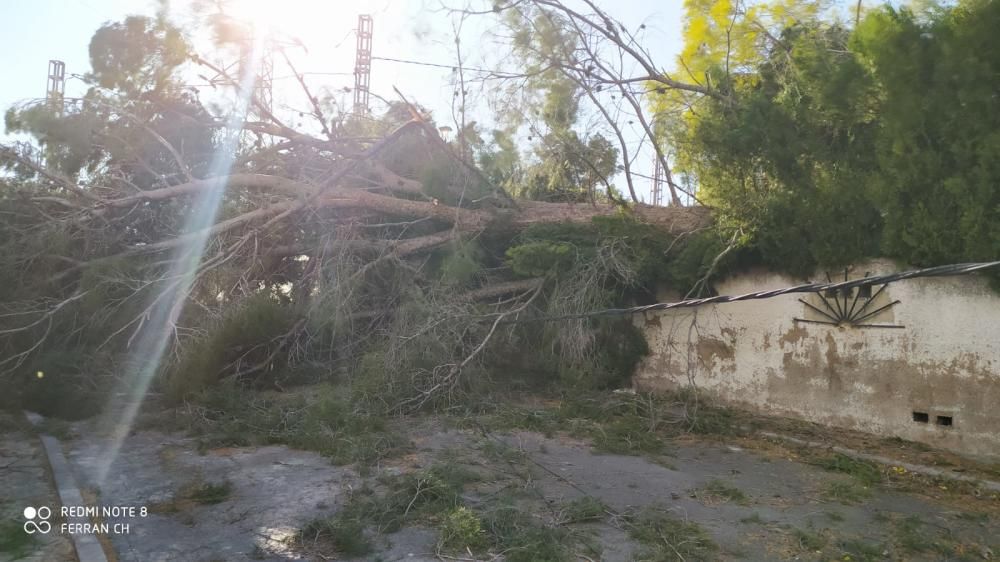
(55, 90)
(262, 70)
(657, 182)
(263, 84)
(363, 64)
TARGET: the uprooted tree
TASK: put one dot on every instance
(148, 231)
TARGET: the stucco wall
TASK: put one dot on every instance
(944, 361)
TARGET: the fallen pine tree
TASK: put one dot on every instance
(147, 233)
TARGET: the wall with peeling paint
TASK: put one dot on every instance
(944, 361)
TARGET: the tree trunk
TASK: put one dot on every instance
(672, 220)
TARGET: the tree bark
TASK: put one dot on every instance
(671, 220)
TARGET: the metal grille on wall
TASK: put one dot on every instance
(849, 306)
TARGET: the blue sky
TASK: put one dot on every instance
(33, 32)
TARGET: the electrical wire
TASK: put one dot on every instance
(939, 271)
(453, 67)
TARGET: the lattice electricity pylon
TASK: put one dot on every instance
(838, 313)
(264, 83)
(262, 70)
(55, 90)
(657, 181)
(363, 64)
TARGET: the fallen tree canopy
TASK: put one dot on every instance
(148, 231)
(313, 253)
(147, 234)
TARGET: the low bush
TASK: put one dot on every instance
(247, 341)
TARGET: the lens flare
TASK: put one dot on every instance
(119, 416)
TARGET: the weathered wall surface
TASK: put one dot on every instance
(944, 362)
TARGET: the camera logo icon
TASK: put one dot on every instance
(37, 520)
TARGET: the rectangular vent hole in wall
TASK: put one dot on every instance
(944, 420)
(921, 417)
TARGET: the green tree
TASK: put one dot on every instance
(566, 163)
(790, 160)
(840, 144)
(938, 182)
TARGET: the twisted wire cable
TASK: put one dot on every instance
(938, 271)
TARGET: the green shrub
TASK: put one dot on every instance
(628, 436)
(537, 259)
(865, 472)
(847, 493)
(373, 384)
(462, 530)
(325, 422)
(667, 538)
(620, 346)
(522, 537)
(719, 490)
(426, 495)
(346, 535)
(809, 540)
(208, 493)
(622, 424)
(461, 263)
(556, 248)
(247, 341)
(585, 508)
(333, 428)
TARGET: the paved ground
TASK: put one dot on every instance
(25, 481)
(783, 497)
(274, 491)
(781, 513)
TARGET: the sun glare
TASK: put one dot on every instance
(262, 14)
(296, 17)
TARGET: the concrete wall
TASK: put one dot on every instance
(944, 361)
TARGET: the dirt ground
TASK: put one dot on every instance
(716, 498)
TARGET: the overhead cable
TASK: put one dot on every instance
(938, 271)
